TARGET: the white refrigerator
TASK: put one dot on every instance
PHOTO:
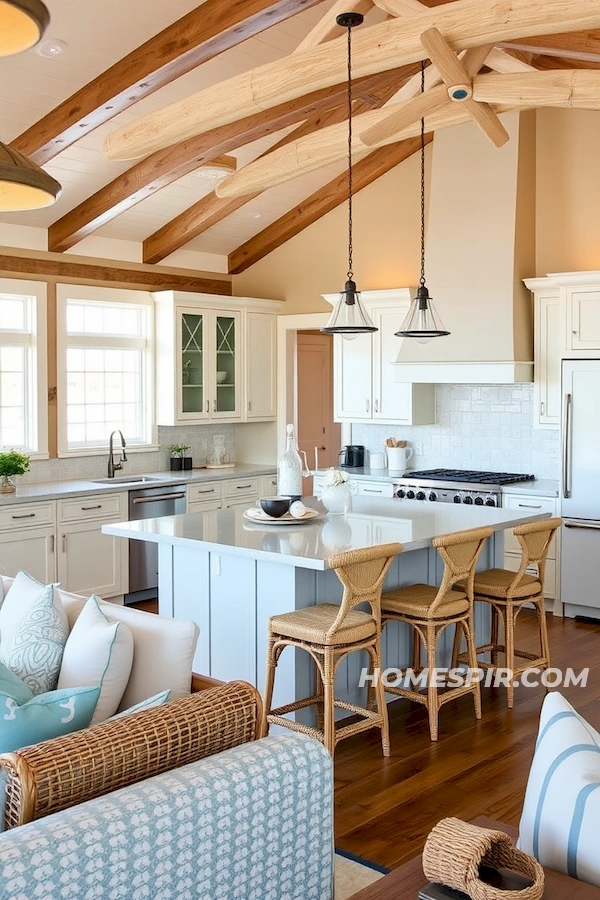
(580, 488)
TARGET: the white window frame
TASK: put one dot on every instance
(38, 370)
(65, 292)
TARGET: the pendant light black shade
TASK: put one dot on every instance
(422, 321)
(349, 317)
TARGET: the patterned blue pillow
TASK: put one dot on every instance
(34, 649)
(45, 716)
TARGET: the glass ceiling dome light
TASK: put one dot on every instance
(422, 321)
(348, 317)
(22, 24)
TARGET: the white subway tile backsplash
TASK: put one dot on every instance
(478, 427)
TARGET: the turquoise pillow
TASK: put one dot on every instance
(12, 685)
(45, 716)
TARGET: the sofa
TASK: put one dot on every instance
(243, 818)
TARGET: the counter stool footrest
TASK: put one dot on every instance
(297, 704)
(296, 726)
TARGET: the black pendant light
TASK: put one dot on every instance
(349, 317)
(422, 321)
(22, 23)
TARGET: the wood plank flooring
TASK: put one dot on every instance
(384, 808)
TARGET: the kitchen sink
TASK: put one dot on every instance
(128, 479)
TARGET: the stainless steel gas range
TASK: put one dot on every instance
(456, 486)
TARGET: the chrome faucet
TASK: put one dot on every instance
(112, 465)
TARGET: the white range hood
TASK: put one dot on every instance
(480, 245)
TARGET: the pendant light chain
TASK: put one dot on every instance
(422, 279)
(350, 272)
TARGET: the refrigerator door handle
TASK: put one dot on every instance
(566, 445)
(593, 526)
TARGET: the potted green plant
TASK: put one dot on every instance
(11, 463)
(178, 459)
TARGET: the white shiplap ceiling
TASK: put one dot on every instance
(98, 33)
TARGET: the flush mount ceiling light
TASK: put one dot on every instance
(23, 185)
(348, 317)
(22, 23)
(422, 321)
(217, 168)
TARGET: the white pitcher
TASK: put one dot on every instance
(398, 458)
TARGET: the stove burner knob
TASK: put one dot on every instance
(457, 498)
(420, 495)
(468, 500)
(401, 493)
(432, 495)
(410, 495)
(490, 501)
(478, 501)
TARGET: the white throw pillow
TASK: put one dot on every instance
(34, 648)
(150, 703)
(98, 653)
(24, 590)
(561, 813)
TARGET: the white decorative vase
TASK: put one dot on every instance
(336, 498)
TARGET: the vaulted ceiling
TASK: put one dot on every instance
(126, 59)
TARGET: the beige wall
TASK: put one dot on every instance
(386, 235)
(567, 191)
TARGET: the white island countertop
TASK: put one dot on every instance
(309, 544)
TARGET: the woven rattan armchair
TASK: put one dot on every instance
(429, 610)
(53, 775)
(329, 632)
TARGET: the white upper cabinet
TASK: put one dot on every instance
(215, 358)
(364, 373)
(546, 355)
(583, 318)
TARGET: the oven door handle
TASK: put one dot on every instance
(157, 498)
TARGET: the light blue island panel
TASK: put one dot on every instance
(233, 629)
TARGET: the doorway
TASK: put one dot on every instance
(318, 435)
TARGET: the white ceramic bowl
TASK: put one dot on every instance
(221, 377)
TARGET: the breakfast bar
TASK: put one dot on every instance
(229, 574)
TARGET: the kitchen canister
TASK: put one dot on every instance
(398, 458)
(377, 460)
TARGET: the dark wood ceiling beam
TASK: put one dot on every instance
(321, 202)
(582, 45)
(210, 29)
(166, 166)
(211, 209)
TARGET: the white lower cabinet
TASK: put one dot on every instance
(224, 494)
(512, 548)
(31, 549)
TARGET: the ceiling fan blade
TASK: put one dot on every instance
(402, 115)
(444, 58)
(389, 44)
(484, 116)
(579, 88)
(474, 58)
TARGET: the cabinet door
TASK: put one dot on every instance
(226, 380)
(261, 366)
(31, 549)
(391, 399)
(192, 365)
(89, 561)
(583, 318)
(353, 378)
(547, 360)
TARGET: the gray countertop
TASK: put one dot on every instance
(309, 544)
(55, 490)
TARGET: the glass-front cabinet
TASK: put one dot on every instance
(208, 364)
(192, 361)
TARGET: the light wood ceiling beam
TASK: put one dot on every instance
(582, 45)
(163, 168)
(465, 23)
(364, 172)
(327, 27)
(210, 29)
(211, 209)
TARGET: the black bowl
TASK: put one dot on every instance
(275, 506)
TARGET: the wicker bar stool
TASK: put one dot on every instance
(429, 610)
(507, 592)
(329, 632)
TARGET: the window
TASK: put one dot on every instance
(23, 380)
(105, 368)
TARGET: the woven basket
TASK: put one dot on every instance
(455, 849)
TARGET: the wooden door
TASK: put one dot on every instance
(316, 427)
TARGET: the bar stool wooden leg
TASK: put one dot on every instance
(432, 691)
(472, 652)
(320, 699)
(375, 654)
(509, 625)
(494, 636)
(456, 644)
(543, 629)
(329, 705)
(270, 681)
(416, 651)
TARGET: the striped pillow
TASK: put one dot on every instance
(560, 821)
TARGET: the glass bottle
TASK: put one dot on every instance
(289, 469)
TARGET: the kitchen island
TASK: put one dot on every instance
(229, 575)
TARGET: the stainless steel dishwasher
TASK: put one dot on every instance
(149, 503)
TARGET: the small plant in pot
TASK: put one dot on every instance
(11, 463)
(178, 459)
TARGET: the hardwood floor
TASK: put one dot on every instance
(384, 808)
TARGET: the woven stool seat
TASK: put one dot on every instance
(429, 610)
(329, 632)
(418, 600)
(313, 624)
(507, 593)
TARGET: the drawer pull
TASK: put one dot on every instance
(25, 516)
(372, 490)
(86, 508)
(208, 491)
(51, 536)
(243, 487)
(530, 505)
(138, 500)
